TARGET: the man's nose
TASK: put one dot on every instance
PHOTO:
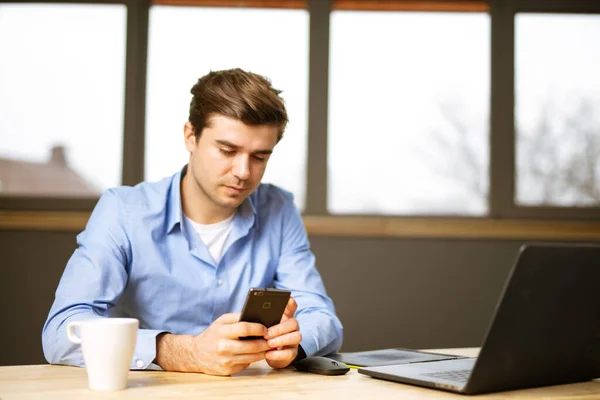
(241, 167)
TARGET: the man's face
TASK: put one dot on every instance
(228, 160)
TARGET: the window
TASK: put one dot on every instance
(408, 113)
(187, 42)
(557, 109)
(61, 99)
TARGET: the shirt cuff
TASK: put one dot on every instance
(301, 354)
(308, 344)
(145, 349)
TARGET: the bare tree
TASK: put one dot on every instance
(558, 158)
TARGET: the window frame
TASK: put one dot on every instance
(70, 214)
(133, 117)
(502, 122)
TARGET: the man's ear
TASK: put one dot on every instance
(189, 136)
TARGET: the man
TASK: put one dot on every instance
(181, 254)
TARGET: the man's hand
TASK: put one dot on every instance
(284, 338)
(216, 351)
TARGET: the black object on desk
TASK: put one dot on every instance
(321, 365)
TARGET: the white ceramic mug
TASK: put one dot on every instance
(107, 345)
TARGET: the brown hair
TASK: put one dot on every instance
(235, 93)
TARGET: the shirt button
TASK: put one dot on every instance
(220, 282)
(139, 363)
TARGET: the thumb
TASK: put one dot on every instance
(290, 309)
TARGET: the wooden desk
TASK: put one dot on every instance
(257, 382)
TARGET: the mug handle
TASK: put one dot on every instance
(71, 332)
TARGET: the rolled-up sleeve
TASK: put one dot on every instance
(322, 331)
(92, 283)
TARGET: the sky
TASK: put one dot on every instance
(385, 98)
(557, 73)
(396, 82)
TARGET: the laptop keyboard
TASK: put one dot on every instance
(461, 375)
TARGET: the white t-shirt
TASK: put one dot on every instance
(214, 235)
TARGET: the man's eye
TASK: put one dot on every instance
(259, 158)
(227, 152)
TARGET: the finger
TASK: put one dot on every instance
(246, 359)
(290, 339)
(234, 347)
(290, 309)
(230, 318)
(284, 354)
(242, 329)
(287, 326)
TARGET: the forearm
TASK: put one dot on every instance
(175, 353)
(58, 349)
(322, 333)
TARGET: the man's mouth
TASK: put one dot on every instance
(236, 189)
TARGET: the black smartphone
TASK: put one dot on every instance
(264, 306)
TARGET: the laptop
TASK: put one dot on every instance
(545, 329)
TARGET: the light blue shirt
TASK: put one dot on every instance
(138, 257)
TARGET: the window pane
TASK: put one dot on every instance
(408, 113)
(61, 99)
(557, 109)
(188, 42)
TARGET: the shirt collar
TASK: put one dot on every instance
(174, 210)
(246, 210)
